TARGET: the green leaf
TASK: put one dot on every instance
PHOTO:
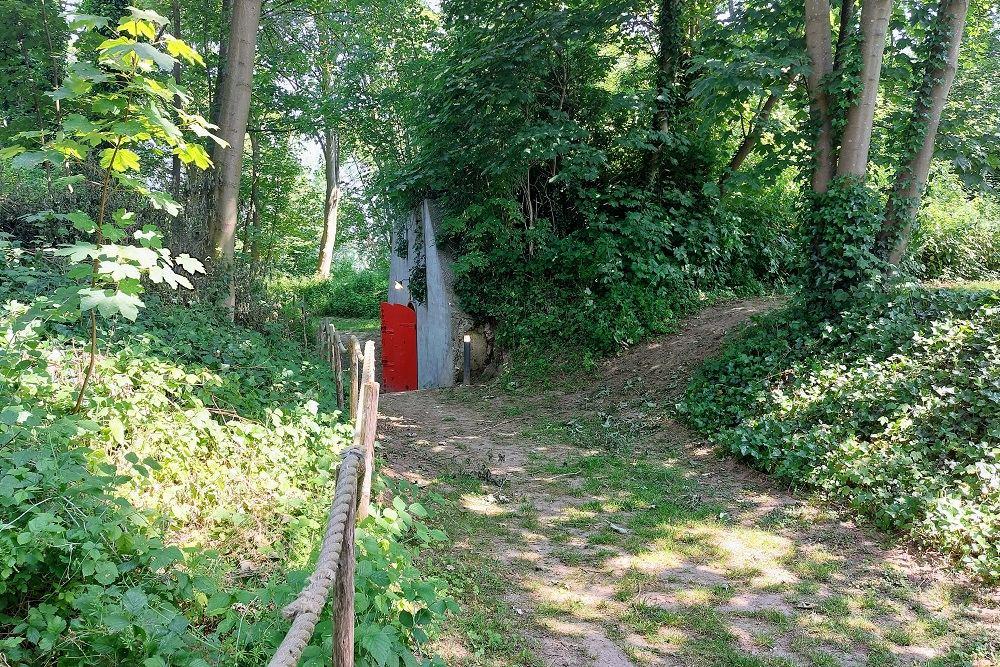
(119, 159)
(148, 15)
(180, 49)
(218, 604)
(195, 153)
(87, 22)
(144, 52)
(78, 252)
(110, 302)
(81, 221)
(189, 263)
(137, 28)
(117, 430)
(106, 572)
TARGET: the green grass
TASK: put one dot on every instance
(356, 324)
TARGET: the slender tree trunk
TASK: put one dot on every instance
(750, 141)
(818, 47)
(856, 143)
(667, 58)
(844, 32)
(225, 35)
(175, 167)
(331, 206)
(939, 74)
(252, 223)
(234, 108)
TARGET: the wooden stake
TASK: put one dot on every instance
(338, 365)
(368, 428)
(368, 368)
(355, 360)
(343, 597)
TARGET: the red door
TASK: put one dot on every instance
(399, 347)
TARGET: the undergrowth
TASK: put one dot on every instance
(171, 519)
(891, 407)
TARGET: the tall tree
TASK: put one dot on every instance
(940, 67)
(330, 143)
(234, 109)
(856, 142)
(818, 49)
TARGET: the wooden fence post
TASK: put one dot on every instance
(365, 437)
(355, 360)
(343, 597)
(338, 364)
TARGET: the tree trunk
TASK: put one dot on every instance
(939, 74)
(331, 206)
(750, 141)
(665, 79)
(175, 167)
(854, 147)
(818, 48)
(666, 63)
(253, 210)
(234, 108)
(846, 18)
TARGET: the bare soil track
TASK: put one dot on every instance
(729, 568)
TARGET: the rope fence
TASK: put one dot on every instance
(334, 573)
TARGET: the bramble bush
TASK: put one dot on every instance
(892, 406)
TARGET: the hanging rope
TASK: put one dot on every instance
(307, 607)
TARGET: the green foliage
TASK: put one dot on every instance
(956, 237)
(348, 292)
(891, 407)
(535, 154)
(842, 259)
(172, 522)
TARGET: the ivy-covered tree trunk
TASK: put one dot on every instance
(818, 48)
(857, 139)
(331, 205)
(234, 108)
(670, 38)
(939, 74)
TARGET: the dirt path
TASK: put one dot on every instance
(591, 528)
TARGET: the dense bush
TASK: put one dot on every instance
(170, 520)
(348, 292)
(957, 236)
(892, 407)
(571, 221)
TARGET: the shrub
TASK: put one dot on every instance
(893, 407)
(957, 236)
(348, 292)
(170, 522)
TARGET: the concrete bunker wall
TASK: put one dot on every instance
(440, 324)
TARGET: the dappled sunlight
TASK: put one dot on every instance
(483, 505)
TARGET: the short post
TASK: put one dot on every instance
(355, 360)
(467, 360)
(343, 595)
(364, 435)
(338, 365)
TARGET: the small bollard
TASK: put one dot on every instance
(467, 365)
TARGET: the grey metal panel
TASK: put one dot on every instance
(434, 344)
(399, 267)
